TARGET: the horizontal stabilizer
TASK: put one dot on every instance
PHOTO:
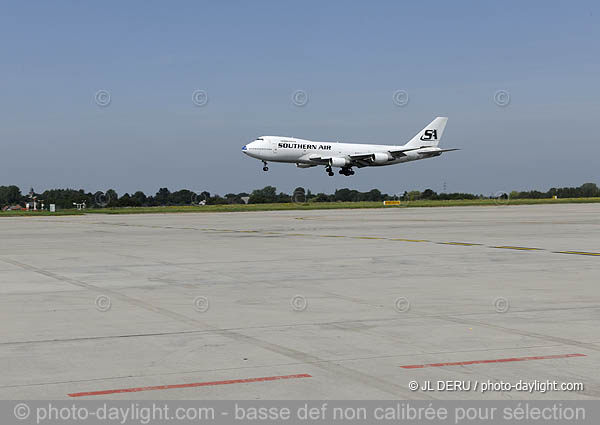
(400, 152)
(440, 150)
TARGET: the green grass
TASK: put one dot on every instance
(309, 206)
(39, 213)
(240, 208)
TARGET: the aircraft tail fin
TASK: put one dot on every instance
(430, 135)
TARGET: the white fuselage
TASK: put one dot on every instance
(300, 151)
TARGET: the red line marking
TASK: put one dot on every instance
(510, 359)
(195, 384)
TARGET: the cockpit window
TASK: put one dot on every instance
(260, 138)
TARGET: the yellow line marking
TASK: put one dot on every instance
(408, 240)
(459, 243)
(520, 248)
(578, 253)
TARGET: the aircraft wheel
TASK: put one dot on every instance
(265, 168)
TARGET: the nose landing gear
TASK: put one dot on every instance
(265, 168)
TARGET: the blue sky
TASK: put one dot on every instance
(249, 57)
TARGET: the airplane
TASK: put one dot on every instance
(307, 153)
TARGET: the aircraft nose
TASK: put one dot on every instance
(245, 149)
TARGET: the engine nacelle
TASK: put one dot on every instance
(381, 157)
(338, 162)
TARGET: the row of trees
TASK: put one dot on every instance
(586, 190)
(66, 198)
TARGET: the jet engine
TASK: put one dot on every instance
(381, 157)
(338, 162)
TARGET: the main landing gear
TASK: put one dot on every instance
(265, 168)
(347, 171)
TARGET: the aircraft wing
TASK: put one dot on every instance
(359, 160)
(360, 156)
(319, 159)
(365, 159)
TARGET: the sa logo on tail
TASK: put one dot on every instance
(429, 135)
